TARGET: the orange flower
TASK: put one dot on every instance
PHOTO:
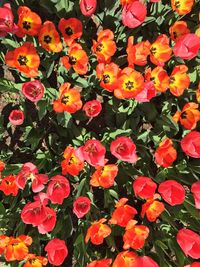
(138, 53)
(71, 29)
(100, 263)
(130, 83)
(108, 75)
(29, 22)
(8, 185)
(152, 208)
(104, 47)
(160, 52)
(198, 93)
(178, 29)
(17, 248)
(4, 240)
(97, 232)
(35, 261)
(69, 101)
(77, 59)
(159, 77)
(126, 2)
(71, 164)
(179, 80)
(165, 154)
(189, 116)
(135, 235)
(49, 37)
(182, 7)
(125, 259)
(2, 165)
(25, 59)
(104, 176)
(123, 213)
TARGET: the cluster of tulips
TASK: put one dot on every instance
(123, 83)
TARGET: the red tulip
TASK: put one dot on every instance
(144, 187)
(57, 251)
(58, 189)
(6, 20)
(16, 117)
(33, 90)
(124, 149)
(49, 222)
(93, 152)
(172, 192)
(190, 144)
(81, 206)
(187, 46)
(92, 108)
(189, 242)
(147, 93)
(88, 7)
(33, 213)
(134, 14)
(30, 172)
(195, 189)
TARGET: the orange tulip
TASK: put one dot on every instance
(71, 164)
(160, 52)
(8, 185)
(198, 93)
(135, 235)
(182, 7)
(126, 2)
(152, 208)
(130, 83)
(104, 176)
(29, 22)
(77, 59)
(108, 75)
(138, 53)
(189, 116)
(25, 59)
(125, 259)
(165, 154)
(4, 240)
(104, 47)
(35, 261)
(178, 29)
(17, 248)
(49, 37)
(179, 80)
(71, 29)
(69, 101)
(159, 77)
(123, 213)
(97, 232)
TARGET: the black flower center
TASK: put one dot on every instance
(69, 31)
(65, 100)
(99, 47)
(153, 50)
(129, 85)
(22, 60)
(47, 39)
(184, 115)
(106, 78)
(177, 4)
(72, 60)
(26, 25)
